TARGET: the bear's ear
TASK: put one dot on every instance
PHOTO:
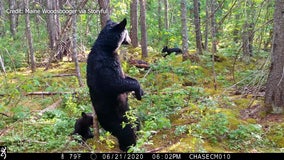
(121, 25)
(108, 22)
(84, 115)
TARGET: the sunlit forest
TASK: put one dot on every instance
(212, 74)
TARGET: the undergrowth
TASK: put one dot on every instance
(180, 111)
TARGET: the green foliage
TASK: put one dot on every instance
(181, 130)
(176, 100)
(246, 136)
(20, 112)
(144, 138)
(276, 134)
(47, 133)
(214, 127)
(106, 139)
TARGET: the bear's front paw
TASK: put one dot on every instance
(139, 94)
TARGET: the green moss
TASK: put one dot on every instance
(251, 120)
(186, 144)
(242, 103)
(164, 80)
(276, 134)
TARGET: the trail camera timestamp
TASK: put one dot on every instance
(166, 156)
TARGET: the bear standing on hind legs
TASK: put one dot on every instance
(109, 86)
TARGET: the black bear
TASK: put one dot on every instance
(171, 50)
(82, 126)
(108, 86)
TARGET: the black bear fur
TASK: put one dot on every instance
(82, 126)
(171, 50)
(108, 86)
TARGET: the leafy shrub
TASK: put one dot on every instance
(246, 136)
(213, 127)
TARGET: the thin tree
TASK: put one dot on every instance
(159, 16)
(198, 36)
(166, 18)
(134, 23)
(206, 30)
(54, 30)
(143, 28)
(2, 17)
(274, 93)
(214, 39)
(74, 46)
(104, 7)
(13, 25)
(30, 39)
(248, 33)
(52, 26)
(213, 26)
(184, 31)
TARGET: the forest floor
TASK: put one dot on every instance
(180, 112)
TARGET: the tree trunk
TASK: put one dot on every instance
(104, 16)
(184, 30)
(198, 37)
(143, 28)
(74, 46)
(248, 33)
(13, 18)
(38, 18)
(159, 17)
(166, 14)
(134, 23)
(2, 17)
(206, 32)
(274, 93)
(51, 26)
(166, 19)
(63, 39)
(213, 26)
(57, 21)
(30, 39)
(214, 39)
(247, 38)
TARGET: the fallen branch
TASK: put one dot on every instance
(4, 114)
(155, 150)
(64, 75)
(51, 107)
(48, 93)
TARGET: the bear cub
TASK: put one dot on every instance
(171, 50)
(82, 126)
